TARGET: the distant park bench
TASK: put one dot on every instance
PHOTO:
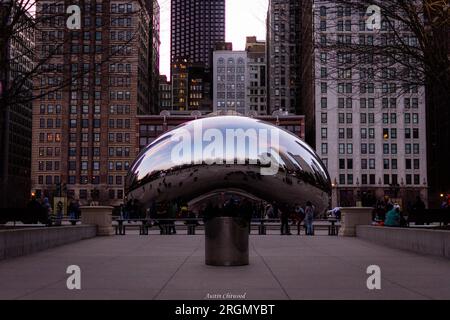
(441, 216)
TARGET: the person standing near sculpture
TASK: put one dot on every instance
(393, 217)
(309, 218)
(59, 213)
(300, 216)
(48, 211)
(284, 215)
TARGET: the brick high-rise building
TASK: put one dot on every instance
(93, 85)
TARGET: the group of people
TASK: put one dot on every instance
(297, 214)
(45, 213)
(390, 214)
(166, 213)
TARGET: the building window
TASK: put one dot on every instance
(324, 148)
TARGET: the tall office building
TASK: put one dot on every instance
(438, 112)
(93, 83)
(284, 55)
(370, 124)
(165, 93)
(16, 56)
(153, 47)
(230, 81)
(191, 86)
(257, 76)
(196, 27)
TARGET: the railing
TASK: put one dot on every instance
(168, 226)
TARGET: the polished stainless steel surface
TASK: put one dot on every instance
(156, 178)
(226, 242)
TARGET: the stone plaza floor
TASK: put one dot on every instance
(172, 267)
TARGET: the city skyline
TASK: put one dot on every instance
(249, 15)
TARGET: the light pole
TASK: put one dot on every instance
(358, 194)
(335, 186)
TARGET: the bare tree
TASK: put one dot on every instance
(412, 35)
(399, 41)
(22, 63)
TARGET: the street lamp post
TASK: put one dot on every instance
(358, 194)
(335, 186)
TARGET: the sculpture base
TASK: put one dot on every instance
(352, 217)
(99, 216)
(226, 242)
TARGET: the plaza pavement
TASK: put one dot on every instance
(172, 267)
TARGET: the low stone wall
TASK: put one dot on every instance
(20, 242)
(432, 242)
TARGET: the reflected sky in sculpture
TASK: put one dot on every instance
(300, 175)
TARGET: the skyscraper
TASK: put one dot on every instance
(370, 121)
(257, 76)
(93, 84)
(153, 47)
(284, 55)
(17, 61)
(438, 111)
(196, 27)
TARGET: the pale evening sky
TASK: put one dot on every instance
(243, 18)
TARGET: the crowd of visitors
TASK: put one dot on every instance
(163, 214)
(44, 212)
(387, 213)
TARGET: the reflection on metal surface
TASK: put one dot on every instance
(226, 242)
(156, 178)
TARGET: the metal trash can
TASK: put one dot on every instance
(226, 242)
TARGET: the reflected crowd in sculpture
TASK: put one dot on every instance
(160, 176)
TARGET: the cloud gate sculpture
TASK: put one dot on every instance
(228, 154)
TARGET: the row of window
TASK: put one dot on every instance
(112, 151)
(229, 70)
(370, 118)
(369, 164)
(84, 151)
(119, 137)
(371, 148)
(347, 133)
(348, 179)
(121, 7)
(83, 193)
(120, 95)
